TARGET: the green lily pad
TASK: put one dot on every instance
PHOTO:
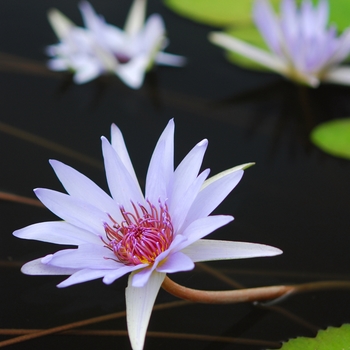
(339, 13)
(333, 137)
(252, 36)
(330, 339)
(224, 13)
(219, 13)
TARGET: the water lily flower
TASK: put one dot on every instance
(101, 48)
(303, 48)
(146, 235)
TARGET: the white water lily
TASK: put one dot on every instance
(101, 48)
(303, 48)
(146, 235)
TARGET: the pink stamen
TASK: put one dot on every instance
(141, 236)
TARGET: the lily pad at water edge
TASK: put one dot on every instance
(333, 137)
(330, 339)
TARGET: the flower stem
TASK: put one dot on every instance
(248, 294)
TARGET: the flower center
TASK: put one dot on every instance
(141, 236)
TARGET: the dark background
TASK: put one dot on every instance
(295, 197)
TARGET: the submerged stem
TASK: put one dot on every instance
(248, 294)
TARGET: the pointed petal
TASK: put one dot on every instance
(90, 18)
(60, 23)
(139, 304)
(86, 256)
(87, 73)
(168, 59)
(121, 184)
(264, 58)
(338, 75)
(179, 206)
(225, 173)
(136, 17)
(111, 276)
(176, 262)
(36, 267)
(202, 227)
(185, 178)
(74, 211)
(186, 172)
(81, 187)
(208, 250)
(213, 192)
(133, 72)
(161, 166)
(58, 232)
(82, 276)
(267, 22)
(117, 142)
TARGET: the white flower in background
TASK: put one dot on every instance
(101, 48)
(149, 235)
(302, 47)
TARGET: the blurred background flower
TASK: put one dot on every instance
(101, 48)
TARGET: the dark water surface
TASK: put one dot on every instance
(295, 197)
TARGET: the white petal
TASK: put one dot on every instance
(60, 23)
(213, 192)
(202, 227)
(208, 250)
(123, 187)
(139, 304)
(180, 206)
(87, 73)
(136, 17)
(267, 22)
(90, 18)
(81, 187)
(111, 276)
(184, 177)
(117, 142)
(87, 256)
(75, 211)
(264, 58)
(133, 72)
(36, 267)
(140, 278)
(186, 173)
(338, 75)
(153, 33)
(161, 166)
(57, 64)
(82, 276)
(225, 173)
(58, 232)
(176, 262)
(169, 59)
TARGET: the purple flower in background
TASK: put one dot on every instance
(101, 48)
(303, 48)
(146, 235)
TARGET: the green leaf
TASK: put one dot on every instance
(330, 339)
(219, 13)
(252, 36)
(213, 12)
(333, 137)
(339, 13)
(224, 13)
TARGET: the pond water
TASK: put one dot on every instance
(295, 197)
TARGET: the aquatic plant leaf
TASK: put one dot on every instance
(333, 137)
(331, 338)
(224, 13)
(339, 13)
(219, 13)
